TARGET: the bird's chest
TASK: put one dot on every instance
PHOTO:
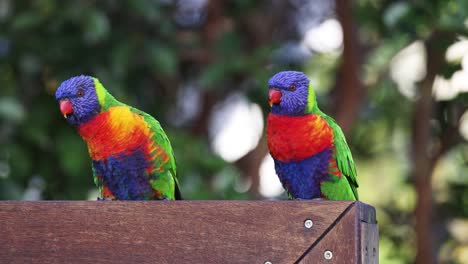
(294, 138)
(116, 132)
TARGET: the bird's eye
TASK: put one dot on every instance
(80, 93)
(292, 87)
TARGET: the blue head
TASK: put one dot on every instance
(289, 93)
(78, 99)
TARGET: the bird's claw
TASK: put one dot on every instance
(105, 199)
(314, 199)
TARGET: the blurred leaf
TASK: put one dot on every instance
(11, 109)
(96, 27)
(228, 45)
(9, 190)
(163, 59)
(21, 163)
(394, 12)
(121, 54)
(213, 74)
(73, 153)
(46, 7)
(30, 63)
(150, 10)
(26, 20)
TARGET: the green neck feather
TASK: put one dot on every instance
(312, 107)
(105, 99)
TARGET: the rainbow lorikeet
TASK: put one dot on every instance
(312, 158)
(132, 158)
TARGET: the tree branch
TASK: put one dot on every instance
(349, 91)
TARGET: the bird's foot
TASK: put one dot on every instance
(313, 199)
(105, 199)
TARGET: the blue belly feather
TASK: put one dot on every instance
(125, 175)
(302, 178)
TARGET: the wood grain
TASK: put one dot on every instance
(167, 232)
(369, 234)
(369, 243)
(341, 240)
(352, 238)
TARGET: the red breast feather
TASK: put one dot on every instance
(294, 138)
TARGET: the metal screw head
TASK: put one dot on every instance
(308, 223)
(267, 262)
(328, 255)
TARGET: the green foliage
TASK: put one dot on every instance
(134, 47)
(383, 138)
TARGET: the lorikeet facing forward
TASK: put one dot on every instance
(132, 158)
(312, 158)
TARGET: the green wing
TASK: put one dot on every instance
(164, 181)
(343, 158)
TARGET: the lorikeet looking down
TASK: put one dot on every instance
(132, 158)
(312, 158)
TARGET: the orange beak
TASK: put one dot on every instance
(274, 97)
(65, 107)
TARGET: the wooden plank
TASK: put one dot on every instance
(366, 213)
(352, 238)
(369, 243)
(341, 240)
(163, 232)
(369, 234)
